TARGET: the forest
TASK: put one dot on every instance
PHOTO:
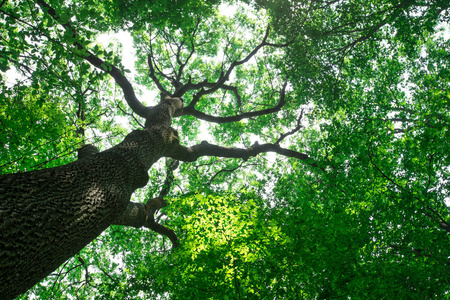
(224, 149)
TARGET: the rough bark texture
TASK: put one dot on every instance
(49, 215)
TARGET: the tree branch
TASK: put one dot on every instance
(297, 128)
(224, 76)
(229, 170)
(143, 215)
(106, 67)
(191, 111)
(205, 87)
(434, 216)
(140, 215)
(183, 64)
(152, 73)
(206, 149)
(130, 115)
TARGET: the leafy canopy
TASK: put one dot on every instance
(366, 97)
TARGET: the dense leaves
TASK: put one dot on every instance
(366, 97)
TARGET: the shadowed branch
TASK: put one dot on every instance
(191, 111)
(206, 86)
(143, 215)
(206, 149)
(297, 128)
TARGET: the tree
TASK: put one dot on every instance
(351, 96)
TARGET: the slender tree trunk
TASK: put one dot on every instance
(47, 216)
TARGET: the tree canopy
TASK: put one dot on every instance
(317, 142)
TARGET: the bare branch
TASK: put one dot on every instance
(131, 115)
(224, 76)
(183, 64)
(108, 68)
(107, 274)
(142, 215)
(206, 149)
(229, 170)
(297, 128)
(205, 87)
(152, 73)
(191, 111)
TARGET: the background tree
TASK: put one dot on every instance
(352, 96)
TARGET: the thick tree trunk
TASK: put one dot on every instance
(49, 215)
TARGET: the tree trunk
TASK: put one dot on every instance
(47, 216)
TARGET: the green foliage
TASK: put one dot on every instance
(361, 219)
(216, 257)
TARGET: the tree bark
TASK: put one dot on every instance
(47, 216)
